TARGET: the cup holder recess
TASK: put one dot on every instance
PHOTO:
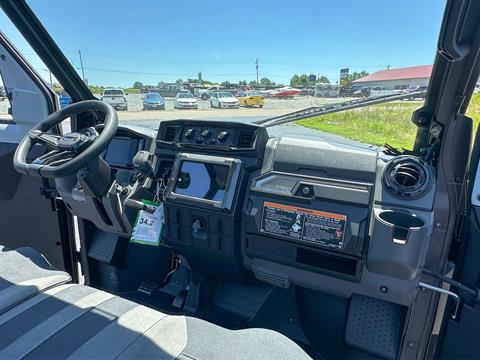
(402, 223)
(397, 244)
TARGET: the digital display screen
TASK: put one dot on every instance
(121, 151)
(202, 180)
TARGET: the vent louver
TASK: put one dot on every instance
(407, 177)
(246, 139)
(171, 133)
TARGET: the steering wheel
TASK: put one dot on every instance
(70, 152)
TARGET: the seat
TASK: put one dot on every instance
(58, 320)
(25, 273)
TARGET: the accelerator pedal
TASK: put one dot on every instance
(148, 287)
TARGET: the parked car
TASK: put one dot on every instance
(185, 100)
(348, 91)
(224, 99)
(252, 98)
(153, 101)
(416, 89)
(364, 91)
(65, 99)
(3, 93)
(115, 97)
(205, 94)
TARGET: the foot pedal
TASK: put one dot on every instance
(179, 299)
(104, 246)
(148, 287)
(193, 297)
(375, 326)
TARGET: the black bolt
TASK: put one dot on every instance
(383, 289)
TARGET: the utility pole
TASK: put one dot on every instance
(51, 80)
(81, 65)
(256, 65)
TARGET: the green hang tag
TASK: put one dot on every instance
(148, 227)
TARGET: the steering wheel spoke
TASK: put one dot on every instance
(54, 158)
(48, 139)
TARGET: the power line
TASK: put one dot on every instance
(157, 73)
(81, 64)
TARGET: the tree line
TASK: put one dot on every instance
(302, 80)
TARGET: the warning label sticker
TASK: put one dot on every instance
(319, 227)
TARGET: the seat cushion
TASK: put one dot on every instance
(79, 322)
(24, 273)
(54, 320)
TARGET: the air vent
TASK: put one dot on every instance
(246, 139)
(407, 177)
(171, 133)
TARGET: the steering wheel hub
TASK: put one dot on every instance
(72, 142)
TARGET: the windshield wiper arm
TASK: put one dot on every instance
(333, 108)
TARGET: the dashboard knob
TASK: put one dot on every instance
(223, 136)
(206, 133)
(190, 133)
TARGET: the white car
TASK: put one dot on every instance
(224, 100)
(185, 100)
(115, 97)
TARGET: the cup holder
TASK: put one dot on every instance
(402, 223)
(398, 244)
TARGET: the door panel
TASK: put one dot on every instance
(460, 336)
(26, 218)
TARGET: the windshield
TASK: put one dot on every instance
(296, 54)
(152, 96)
(113, 92)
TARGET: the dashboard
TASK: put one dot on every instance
(122, 149)
(287, 211)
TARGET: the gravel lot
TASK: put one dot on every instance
(135, 103)
(272, 107)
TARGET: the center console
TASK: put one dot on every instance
(208, 169)
(336, 218)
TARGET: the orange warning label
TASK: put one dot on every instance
(313, 226)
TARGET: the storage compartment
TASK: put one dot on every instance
(398, 244)
(304, 257)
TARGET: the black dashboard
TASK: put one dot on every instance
(287, 211)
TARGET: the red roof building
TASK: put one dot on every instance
(397, 78)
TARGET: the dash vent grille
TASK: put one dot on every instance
(171, 133)
(407, 177)
(246, 139)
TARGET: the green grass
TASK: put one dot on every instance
(474, 110)
(379, 124)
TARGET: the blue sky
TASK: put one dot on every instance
(153, 40)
